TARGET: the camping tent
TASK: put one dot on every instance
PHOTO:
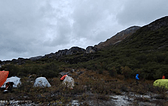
(3, 77)
(41, 82)
(68, 81)
(161, 83)
(15, 80)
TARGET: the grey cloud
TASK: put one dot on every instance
(91, 19)
(20, 27)
(141, 12)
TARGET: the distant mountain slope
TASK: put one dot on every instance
(118, 37)
(151, 36)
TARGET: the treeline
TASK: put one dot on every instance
(40, 68)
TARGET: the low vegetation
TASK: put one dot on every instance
(89, 85)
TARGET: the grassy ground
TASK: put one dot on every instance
(89, 85)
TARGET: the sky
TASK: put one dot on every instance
(30, 28)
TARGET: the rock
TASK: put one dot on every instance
(75, 50)
(91, 49)
(71, 51)
(73, 70)
(64, 73)
(35, 58)
(61, 53)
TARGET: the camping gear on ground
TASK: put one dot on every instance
(41, 82)
(161, 83)
(3, 77)
(9, 86)
(16, 81)
(68, 81)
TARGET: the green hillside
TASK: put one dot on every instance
(144, 52)
(153, 36)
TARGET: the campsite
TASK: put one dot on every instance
(86, 91)
(126, 71)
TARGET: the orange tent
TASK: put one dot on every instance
(3, 77)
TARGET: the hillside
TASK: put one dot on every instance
(154, 36)
(118, 37)
(141, 50)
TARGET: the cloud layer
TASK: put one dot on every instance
(36, 27)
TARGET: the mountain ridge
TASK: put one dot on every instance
(153, 35)
(92, 49)
(120, 38)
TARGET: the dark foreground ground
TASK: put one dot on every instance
(91, 89)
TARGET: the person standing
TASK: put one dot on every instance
(163, 77)
(137, 79)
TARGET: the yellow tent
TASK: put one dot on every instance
(161, 83)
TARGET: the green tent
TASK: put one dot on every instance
(161, 83)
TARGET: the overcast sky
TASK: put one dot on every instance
(31, 28)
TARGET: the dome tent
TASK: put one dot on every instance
(161, 83)
(41, 82)
(15, 80)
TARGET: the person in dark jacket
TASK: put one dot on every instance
(137, 79)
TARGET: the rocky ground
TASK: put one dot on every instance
(130, 99)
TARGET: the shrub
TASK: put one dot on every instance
(126, 71)
(112, 71)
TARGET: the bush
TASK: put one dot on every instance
(126, 71)
(112, 71)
